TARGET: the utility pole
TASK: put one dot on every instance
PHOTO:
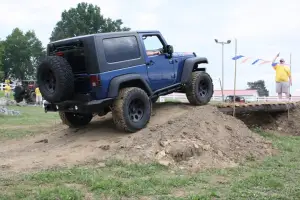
(222, 43)
(235, 50)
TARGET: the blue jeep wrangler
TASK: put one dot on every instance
(121, 72)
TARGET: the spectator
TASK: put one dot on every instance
(38, 96)
(7, 90)
(283, 77)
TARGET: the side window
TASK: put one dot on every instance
(153, 45)
(121, 49)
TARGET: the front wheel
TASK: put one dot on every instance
(132, 109)
(74, 120)
(199, 89)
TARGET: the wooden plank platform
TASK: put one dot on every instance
(227, 108)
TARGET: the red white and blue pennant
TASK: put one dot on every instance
(253, 61)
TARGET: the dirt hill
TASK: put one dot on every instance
(178, 135)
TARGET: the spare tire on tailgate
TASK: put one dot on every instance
(55, 79)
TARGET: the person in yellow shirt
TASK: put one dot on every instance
(38, 96)
(7, 90)
(283, 77)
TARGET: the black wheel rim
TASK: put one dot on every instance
(203, 88)
(136, 110)
(50, 81)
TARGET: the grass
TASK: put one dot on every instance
(276, 177)
(30, 122)
(2, 95)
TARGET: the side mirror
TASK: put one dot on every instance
(170, 49)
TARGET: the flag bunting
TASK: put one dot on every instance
(252, 60)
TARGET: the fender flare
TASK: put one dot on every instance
(115, 83)
(190, 65)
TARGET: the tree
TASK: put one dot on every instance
(84, 19)
(22, 53)
(259, 86)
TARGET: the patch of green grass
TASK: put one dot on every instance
(29, 122)
(2, 95)
(277, 177)
(30, 115)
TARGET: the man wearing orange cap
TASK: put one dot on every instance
(283, 77)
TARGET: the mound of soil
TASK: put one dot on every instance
(286, 122)
(201, 138)
(177, 135)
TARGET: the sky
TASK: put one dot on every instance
(262, 28)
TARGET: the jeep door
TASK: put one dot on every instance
(160, 68)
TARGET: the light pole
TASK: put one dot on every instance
(235, 52)
(222, 43)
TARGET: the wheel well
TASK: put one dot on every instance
(195, 67)
(135, 83)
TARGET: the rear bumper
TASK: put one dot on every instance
(93, 106)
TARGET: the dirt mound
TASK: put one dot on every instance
(178, 134)
(285, 123)
(200, 138)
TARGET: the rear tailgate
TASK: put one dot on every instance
(82, 83)
(75, 55)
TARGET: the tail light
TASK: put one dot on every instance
(95, 81)
(59, 53)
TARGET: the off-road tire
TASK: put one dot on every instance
(60, 70)
(192, 88)
(19, 93)
(121, 108)
(74, 120)
(32, 97)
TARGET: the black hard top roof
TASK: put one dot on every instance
(108, 33)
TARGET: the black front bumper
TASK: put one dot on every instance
(93, 106)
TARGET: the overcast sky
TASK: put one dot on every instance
(262, 27)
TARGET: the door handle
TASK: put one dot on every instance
(151, 62)
(176, 60)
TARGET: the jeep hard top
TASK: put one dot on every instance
(121, 72)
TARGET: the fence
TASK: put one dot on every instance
(2, 86)
(182, 98)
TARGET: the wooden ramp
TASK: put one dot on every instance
(227, 108)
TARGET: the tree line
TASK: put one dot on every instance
(21, 51)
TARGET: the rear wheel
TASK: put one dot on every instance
(74, 120)
(132, 109)
(32, 97)
(199, 89)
